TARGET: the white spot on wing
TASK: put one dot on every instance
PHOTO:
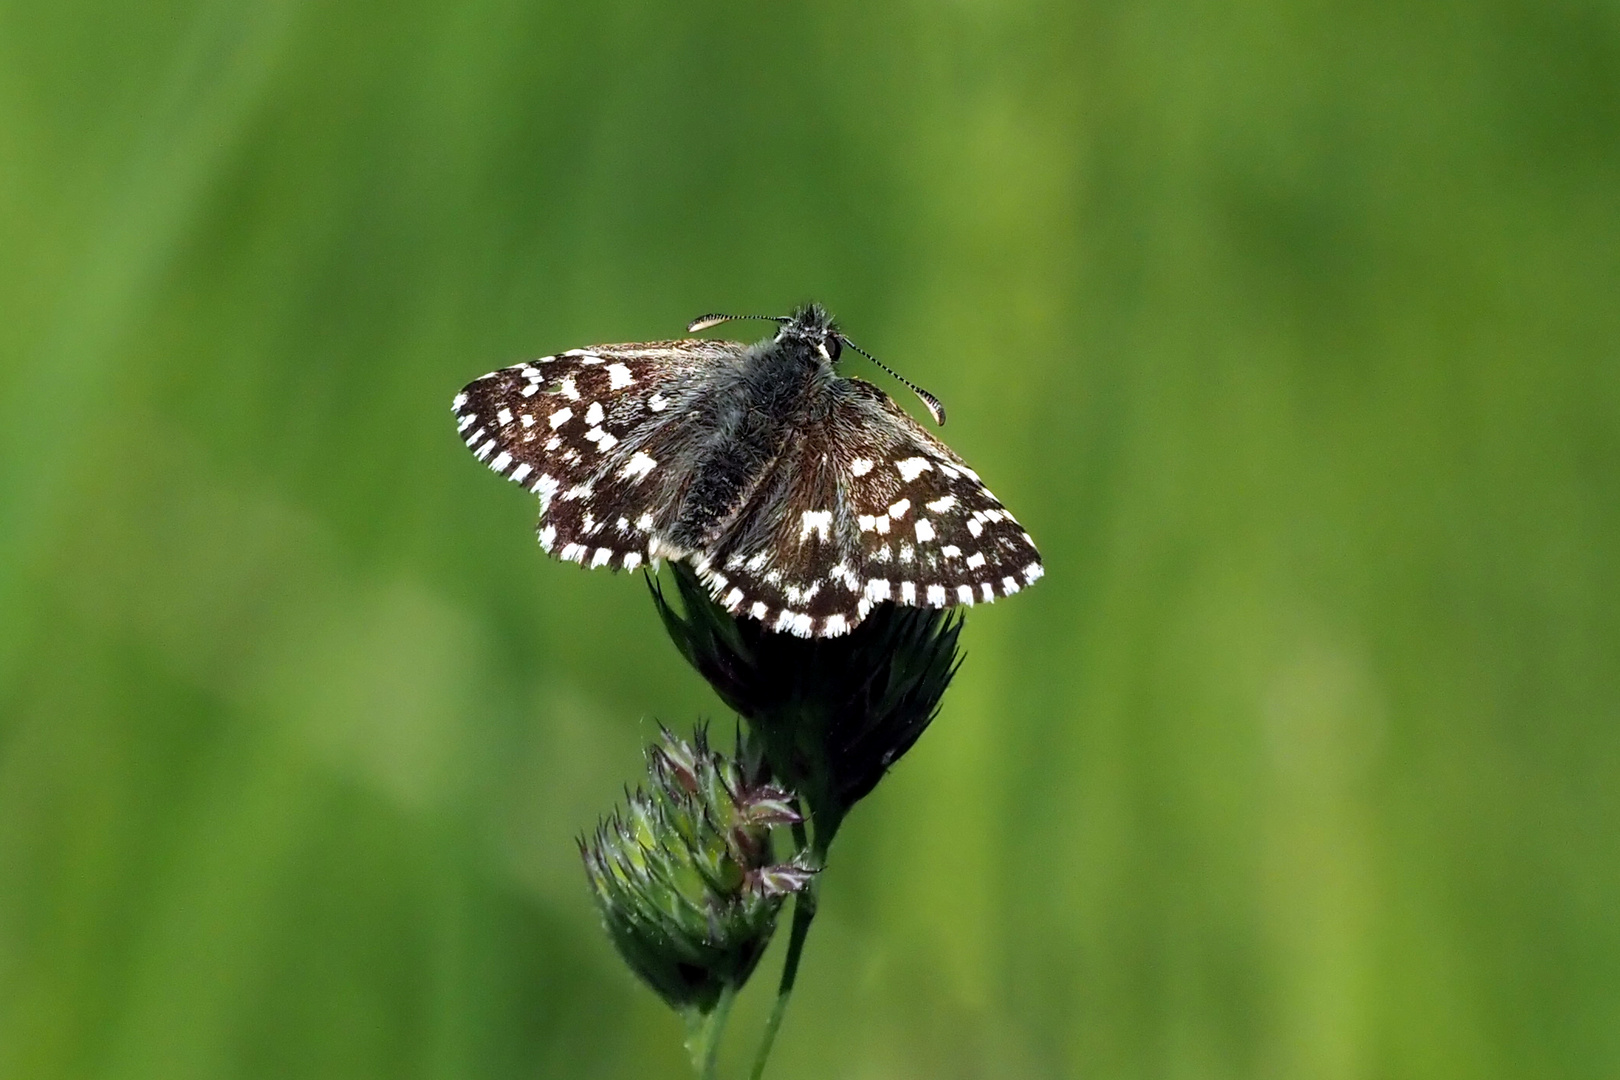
(835, 626)
(759, 610)
(942, 504)
(594, 414)
(501, 462)
(860, 467)
(503, 417)
(601, 558)
(911, 468)
(658, 402)
(898, 510)
(908, 592)
(975, 560)
(522, 472)
(877, 589)
(964, 593)
(632, 560)
(925, 530)
(618, 376)
(936, 595)
(568, 389)
(815, 521)
(638, 467)
(560, 417)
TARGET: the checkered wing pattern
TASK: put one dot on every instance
(597, 434)
(864, 506)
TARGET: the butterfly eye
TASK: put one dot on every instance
(833, 346)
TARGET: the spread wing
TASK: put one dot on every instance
(604, 436)
(861, 506)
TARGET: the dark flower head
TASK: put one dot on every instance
(829, 716)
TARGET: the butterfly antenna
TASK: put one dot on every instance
(936, 408)
(704, 322)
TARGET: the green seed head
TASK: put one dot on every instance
(685, 874)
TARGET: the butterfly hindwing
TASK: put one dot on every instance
(865, 506)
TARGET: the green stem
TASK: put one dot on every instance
(804, 910)
(703, 1032)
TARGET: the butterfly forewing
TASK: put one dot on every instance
(597, 434)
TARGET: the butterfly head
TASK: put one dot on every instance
(814, 328)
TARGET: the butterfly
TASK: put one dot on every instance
(801, 498)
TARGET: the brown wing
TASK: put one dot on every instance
(864, 506)
(593, 433)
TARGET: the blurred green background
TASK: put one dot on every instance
(1289, 329)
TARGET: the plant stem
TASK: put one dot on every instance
(703, 1032)
(804, 910)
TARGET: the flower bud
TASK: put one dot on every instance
(685, 876)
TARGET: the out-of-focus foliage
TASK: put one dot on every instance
(1288, 329)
